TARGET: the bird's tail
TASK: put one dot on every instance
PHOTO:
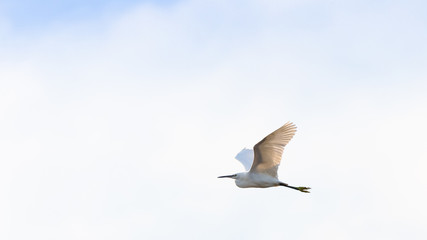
(302, 189)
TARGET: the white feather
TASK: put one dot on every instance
(246, 157)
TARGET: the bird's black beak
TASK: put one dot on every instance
(227, 176)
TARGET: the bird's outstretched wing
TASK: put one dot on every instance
(268, 152)
(246, 157)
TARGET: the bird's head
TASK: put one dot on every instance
(236, 176)
(233, 176)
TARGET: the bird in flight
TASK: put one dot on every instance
(263, 161)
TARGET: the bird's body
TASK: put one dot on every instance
(264, 160)
(257, 180)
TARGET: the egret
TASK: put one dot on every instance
(263, 161)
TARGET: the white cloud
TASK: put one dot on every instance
(118, 128)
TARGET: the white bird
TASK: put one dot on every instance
(264, 160)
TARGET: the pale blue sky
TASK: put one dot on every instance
(116, 118)
(27, 14)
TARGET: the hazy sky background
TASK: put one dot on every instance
(116, 117)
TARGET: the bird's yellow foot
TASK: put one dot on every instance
(304, 189)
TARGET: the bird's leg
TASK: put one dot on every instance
(302, 189)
